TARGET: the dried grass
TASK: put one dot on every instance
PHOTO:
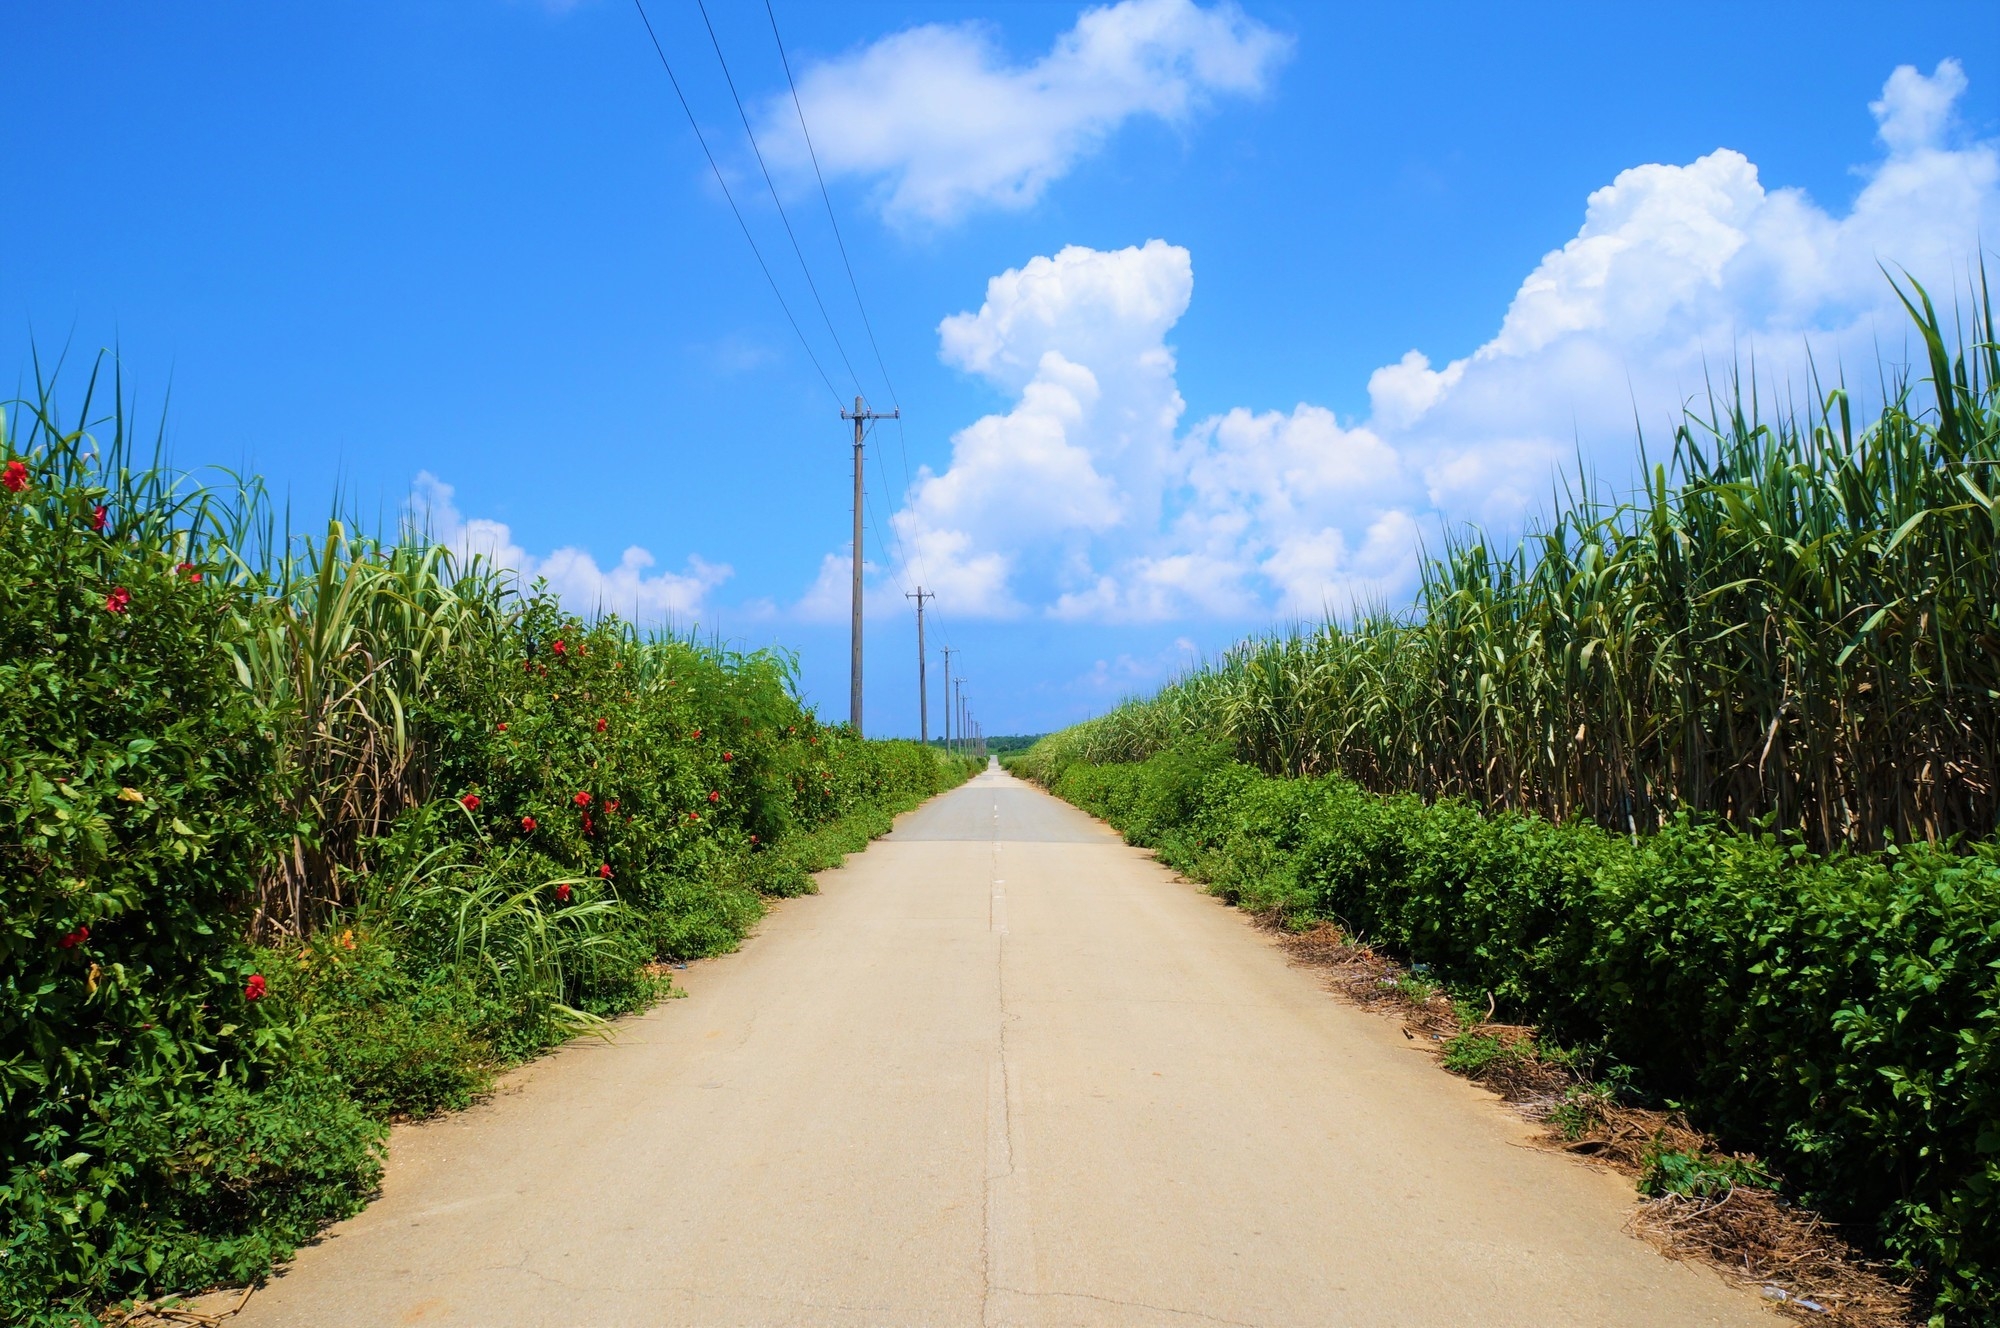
(176, 1311)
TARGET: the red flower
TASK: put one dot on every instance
(528, 824)
(253, 990)
(694, 816)
(600, 726)
(729, 756)
(560, 648)
(753, 839)
(116, 601)
(713, 796)
(75, 938)
(16, 478)
(611, 806)
(470, 802)
(98, 517)
(604, 871)
(503, 726)
(562, 893)
(188, 568)
(697, 735)
(589, 827)
(582, 799)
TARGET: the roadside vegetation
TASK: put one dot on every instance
(302, 834)
(1701, 785)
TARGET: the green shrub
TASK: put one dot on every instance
(143, 1089)
(1473, 1053)
(1697, 1175)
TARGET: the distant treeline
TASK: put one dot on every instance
(1010, 742)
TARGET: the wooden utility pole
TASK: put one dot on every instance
(860, 415)
(923, 690)
(947, 698)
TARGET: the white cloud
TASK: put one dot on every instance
(1087, 501)
(1401, 392)
(626, 589)
(1915, 111)
(1085, 457)
(1677, 272)
(830, 597)
(940, 120)
(1317, 575)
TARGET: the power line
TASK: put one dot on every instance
(703, 140)
(902, 442)
(826, 198)
(894, 544)
(772, 186)
(887, 538)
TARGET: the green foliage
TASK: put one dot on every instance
(1838, 1015)
(399, 1040)
(1698, 1175)
(1792, 625)
(1473, 1053)
(268, 877)
(136, 809)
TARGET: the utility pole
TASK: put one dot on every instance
(923, 690)
(947, 699)
(860, 415)
(959, 705)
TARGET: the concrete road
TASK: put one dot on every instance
(1002, 1070)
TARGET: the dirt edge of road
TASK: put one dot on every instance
(1794, 1258)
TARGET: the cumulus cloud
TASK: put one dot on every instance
(1087, 500)
(628, 589)
(1675, 273)
(942, 123)
(830, 597)
(1087, 452)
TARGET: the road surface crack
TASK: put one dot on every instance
(1127, 1304)
(1004, 1228)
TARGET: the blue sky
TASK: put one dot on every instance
(470, 254)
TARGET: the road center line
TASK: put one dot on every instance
(1009, 1233)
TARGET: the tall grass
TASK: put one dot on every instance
(347, 650)
(1795, 621)
(344, 644)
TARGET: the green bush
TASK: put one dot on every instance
(1838, 1015)
(144, 1089)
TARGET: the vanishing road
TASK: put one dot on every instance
(1002, 1070)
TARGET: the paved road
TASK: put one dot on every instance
(1002, 1070)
